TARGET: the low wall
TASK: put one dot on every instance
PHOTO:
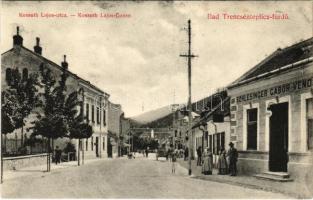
(19, 162)
(252, 162)
(300, 166)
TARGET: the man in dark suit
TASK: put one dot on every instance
(199, 154)
(232, 156)
(58, 153)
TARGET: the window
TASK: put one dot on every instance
(98, 115)
(80, 144)
(179, 133)
(252, 123)
(87, 144)
(93, 114)
(104, 120)
(103, 143)
(175, 133)
(87, 112)
(218, 143)
(223, 140)
(214, 144)
(210, 142)
(25, 74)
(309, 116)
(8, 76)
(91, 143)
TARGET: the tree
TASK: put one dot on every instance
(60, 114)
(78, 128)
(18, 101)
(51, 123)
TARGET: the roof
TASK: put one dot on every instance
(61, 68)
(278, 61)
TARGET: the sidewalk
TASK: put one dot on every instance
(294, 189)
(41, 170)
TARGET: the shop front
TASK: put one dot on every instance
(272, 114)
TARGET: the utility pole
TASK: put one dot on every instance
(189, 56)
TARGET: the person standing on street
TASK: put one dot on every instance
(199, 154)
(147, 152)
(209, 162)
(233, 156)
(174, 157)
(58, 153)
(186, 153)
(222, 162)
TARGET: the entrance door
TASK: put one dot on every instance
(109, 146)
(278, 154)
(97, 146)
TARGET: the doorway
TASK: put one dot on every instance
(109, 146)
(278, 151)
(97, 146)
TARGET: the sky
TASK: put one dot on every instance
(136, 59)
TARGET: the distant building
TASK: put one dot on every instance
(272, 113)
(125, 125)
(114, 116)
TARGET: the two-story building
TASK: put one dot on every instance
(95, 100)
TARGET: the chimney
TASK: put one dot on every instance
(64, 63)
(17, 39)
(37, 48)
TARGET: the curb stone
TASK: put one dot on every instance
(251, 186)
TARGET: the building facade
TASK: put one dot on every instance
(272, 113)
(114, 116)
(95, 100)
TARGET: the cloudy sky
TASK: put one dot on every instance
(136, 59)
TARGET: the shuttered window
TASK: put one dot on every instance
(98, 115)
(252, 124)
(25, 74)
(104, 120)
(87, 112)
(87, 144)
(8, 76)
(93, 114)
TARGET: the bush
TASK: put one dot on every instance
(69, 148)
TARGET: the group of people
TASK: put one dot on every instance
(227, 161)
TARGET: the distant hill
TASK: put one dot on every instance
(152, 115)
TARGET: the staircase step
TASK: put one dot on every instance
(278, 174)
(266, 176)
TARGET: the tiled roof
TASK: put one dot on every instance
(59, 67)
(280, 58)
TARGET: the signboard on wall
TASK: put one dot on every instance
(277, 90)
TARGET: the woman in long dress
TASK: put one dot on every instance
(222, 162)
(207, 166)
(210, 160)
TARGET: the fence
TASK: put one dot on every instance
(13, 147)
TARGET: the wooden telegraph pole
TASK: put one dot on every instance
(189, 56)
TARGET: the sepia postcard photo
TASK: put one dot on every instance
(157, 99)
